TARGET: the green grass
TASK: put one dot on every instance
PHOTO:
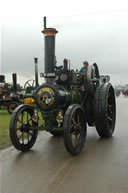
(4, 129)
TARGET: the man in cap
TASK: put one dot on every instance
(85, 67)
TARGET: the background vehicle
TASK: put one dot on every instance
(12, 95)
(9, 98)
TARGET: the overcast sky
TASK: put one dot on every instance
(94, 30)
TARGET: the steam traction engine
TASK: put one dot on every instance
(67, 101)
(9, 98)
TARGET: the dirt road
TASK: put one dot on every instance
(102, 167)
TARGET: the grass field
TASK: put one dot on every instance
(4, 129)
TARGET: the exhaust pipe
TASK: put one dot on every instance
(14, 78)
(36, 72)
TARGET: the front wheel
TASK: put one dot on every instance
(22, 133)
(74, 129)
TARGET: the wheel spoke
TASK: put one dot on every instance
(78, 119)
(29, 84)
(77, 139)
(28, 136)
(74, 121)
(19, 121)
(29, 120)
(33, 83)
(22, 137)
(109, 118)
(76, 136)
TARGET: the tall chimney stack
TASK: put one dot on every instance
(49, 55)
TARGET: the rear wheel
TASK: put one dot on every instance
(74, 129)
(22, 135)
(105, 110)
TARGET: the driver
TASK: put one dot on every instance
(85, 67)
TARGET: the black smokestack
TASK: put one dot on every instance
(49, 34)
(14, 78)
(36, 71)
(49, 55)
